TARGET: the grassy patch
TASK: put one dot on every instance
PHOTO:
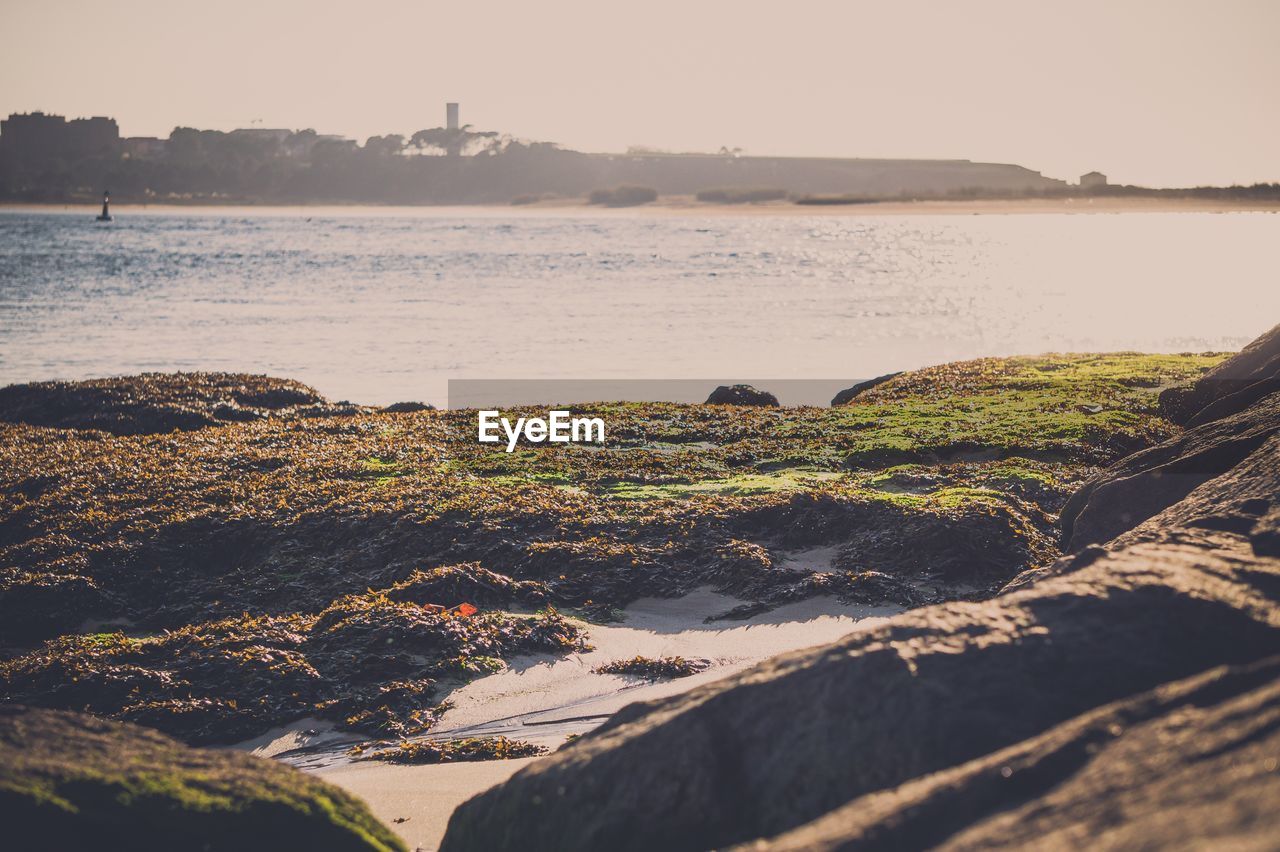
(740, 485)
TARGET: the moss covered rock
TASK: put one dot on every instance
(162, 402)
(70, 781)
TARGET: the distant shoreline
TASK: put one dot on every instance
(687, 205)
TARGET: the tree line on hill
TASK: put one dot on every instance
(463, 165)
(436, 165)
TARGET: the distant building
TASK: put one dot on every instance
(1090, 180)
(332, 144)
(262, 134)
(32, 139)
(142, 147)
(298, 144)
(454, 147)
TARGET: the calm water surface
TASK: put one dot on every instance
(382, 305)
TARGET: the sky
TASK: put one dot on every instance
(1168, 93)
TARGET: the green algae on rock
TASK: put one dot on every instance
(71, 781)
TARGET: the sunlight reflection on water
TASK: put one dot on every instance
(383, 307)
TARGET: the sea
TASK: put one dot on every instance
(378, 305)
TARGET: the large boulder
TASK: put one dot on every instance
(74, 782)
(741, 395)
(1126, 696)
(1265, 533)
(406, 408)
(1189, 761)
(1232, 386)
(1142, 485)
(939, 689)
(1230, 412)
(1244, 501)
(847, 395)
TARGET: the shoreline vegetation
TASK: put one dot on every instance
(214, 556)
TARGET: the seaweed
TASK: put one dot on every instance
(651, 668)
(367, 662)
(317, 559)
(453, 751)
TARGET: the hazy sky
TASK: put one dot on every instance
(1172, 92)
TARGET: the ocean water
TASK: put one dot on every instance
(379, 305)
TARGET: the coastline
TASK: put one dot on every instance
(947, 493)
(682, 205)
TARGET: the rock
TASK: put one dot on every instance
(937, 690)
(1232, 411)
(1230, 387)
(1145, 483)
(1126, 694)
(1238, 502)
(741, 395)
(1188, 760)
(70, 781)
(161, 402)
(1265, 534)
(407, 407)
(849, 393)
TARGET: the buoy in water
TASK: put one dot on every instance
(106, 208)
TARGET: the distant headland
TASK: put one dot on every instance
(45, 158)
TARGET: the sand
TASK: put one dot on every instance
(304, 733)
(546, 699)
(423, 797)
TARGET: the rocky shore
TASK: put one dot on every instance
(212, 556)
(1124, 696)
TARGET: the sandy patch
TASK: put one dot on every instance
(809, 559)
(422, 797)
(304, 733)
(544, 699)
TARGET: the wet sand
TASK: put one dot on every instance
(544, 699)
(416, 801)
